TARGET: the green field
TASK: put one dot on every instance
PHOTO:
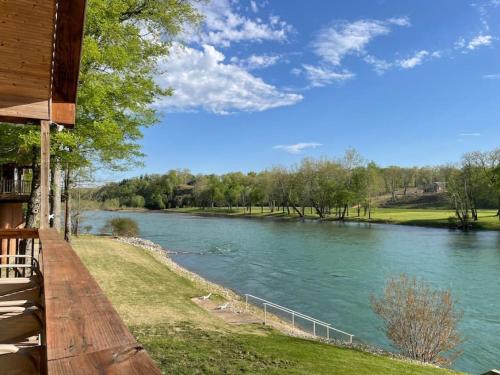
(185, 339)
(422, 217)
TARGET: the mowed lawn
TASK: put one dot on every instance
(487, 219)
(185, 339)
(405, 216)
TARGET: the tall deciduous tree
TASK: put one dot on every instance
(123, 42)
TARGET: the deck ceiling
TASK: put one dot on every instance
(40, 45)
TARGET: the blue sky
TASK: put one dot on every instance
(263, 83)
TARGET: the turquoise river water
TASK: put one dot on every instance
(329, 270)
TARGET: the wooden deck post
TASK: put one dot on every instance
(44, 173)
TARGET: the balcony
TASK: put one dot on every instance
(54, 318)
(14, 190)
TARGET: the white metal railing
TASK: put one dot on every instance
(296, 314)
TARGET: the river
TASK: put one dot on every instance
(329, 270)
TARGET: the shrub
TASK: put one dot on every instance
(111, 204)
(121, 226)
(137, 201)
(420, 322)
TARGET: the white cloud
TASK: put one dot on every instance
(335, 42)
(400, 21)
(478, 41)
(254, 62)
(380, 66)
(223, 25)
(470, 134)
(320, 76)
(201, 79)
(491, 76)
(254, 6)
(298, 147)
(417, 59)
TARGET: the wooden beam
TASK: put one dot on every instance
(63, 113)
(23, 107)
(68, 46)
(44, 173)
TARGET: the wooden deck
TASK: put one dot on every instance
(82, 333)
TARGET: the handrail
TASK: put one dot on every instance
(10, 186)
(19, 250)
(297, 314)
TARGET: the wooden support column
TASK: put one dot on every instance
(44, 173)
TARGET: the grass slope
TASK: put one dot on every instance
(185, 339)
(404, 216)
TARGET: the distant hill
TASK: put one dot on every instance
(424, 200)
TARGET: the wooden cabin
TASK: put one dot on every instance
(54, 318)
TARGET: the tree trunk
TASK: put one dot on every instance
(498, 210)
(344, 211)
(67, 196)
(318, 211)
(34, 200)
(301, 214)
(56, 197)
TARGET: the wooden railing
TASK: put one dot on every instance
(80, 331)
(19, 252)
(20, 187)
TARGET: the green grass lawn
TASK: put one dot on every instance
(183, 338)
(404, 216)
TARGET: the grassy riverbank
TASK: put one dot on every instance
(183, 338)
(439, 218)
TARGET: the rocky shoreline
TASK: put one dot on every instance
(238, 302)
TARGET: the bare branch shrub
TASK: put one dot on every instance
(419, 321)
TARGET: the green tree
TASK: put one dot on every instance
(123, 43)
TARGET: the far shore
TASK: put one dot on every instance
(428, 217)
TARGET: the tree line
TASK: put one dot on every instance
(325, 186)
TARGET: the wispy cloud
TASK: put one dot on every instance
(340, 39)
(482, 7)
(321, 76)
(417, 59)
(201, 80)
(381, 66)
(254, 6)
(254, 62)
(298, 147)
(478, 41)
(491, 76)
(470, 134)
(223, 25)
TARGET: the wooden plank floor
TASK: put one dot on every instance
(84, 334)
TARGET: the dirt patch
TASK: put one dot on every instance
(230, 314)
